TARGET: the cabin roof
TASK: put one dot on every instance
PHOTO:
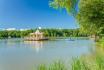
(37, 32)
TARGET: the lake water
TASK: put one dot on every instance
(16, 54)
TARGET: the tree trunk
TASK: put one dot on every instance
(94, 37)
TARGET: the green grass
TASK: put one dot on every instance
(92, 62)
(55, 66)
(95, 61)
(101, 42)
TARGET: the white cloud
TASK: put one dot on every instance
(10, 29)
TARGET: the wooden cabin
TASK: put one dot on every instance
(36, 36)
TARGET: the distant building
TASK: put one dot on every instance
(36, 36)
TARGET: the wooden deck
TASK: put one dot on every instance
(35, 39)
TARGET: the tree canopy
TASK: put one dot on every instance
(68, 5)
(47, 33)
(91, 16)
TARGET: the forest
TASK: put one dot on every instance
(47, 33)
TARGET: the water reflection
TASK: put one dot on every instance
(17, 54)
(35, 44)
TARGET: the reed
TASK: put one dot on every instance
(90, 62)
(95, 61)
(55, 66)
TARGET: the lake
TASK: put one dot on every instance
(16, 54)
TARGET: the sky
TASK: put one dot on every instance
(32, 14)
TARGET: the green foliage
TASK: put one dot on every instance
(69, 5)
(95, 61)
(100, 43)
(55, 66)
(63, 33)
(3, 34)
(25, 33)
(91, 16)
(14, 34)
(92, 62)
(79, 64)
(47, 33)
(42, 67)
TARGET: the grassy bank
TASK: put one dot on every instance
(55, 66)
(95, 61)
(91, 62)
(100, 43)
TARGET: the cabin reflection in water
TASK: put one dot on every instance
(37, 45)
(36, 36)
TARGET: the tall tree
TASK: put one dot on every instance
(91, 16)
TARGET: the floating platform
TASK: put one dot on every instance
(34, 39)
(36, 36)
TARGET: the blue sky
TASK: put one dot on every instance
(33, 14)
